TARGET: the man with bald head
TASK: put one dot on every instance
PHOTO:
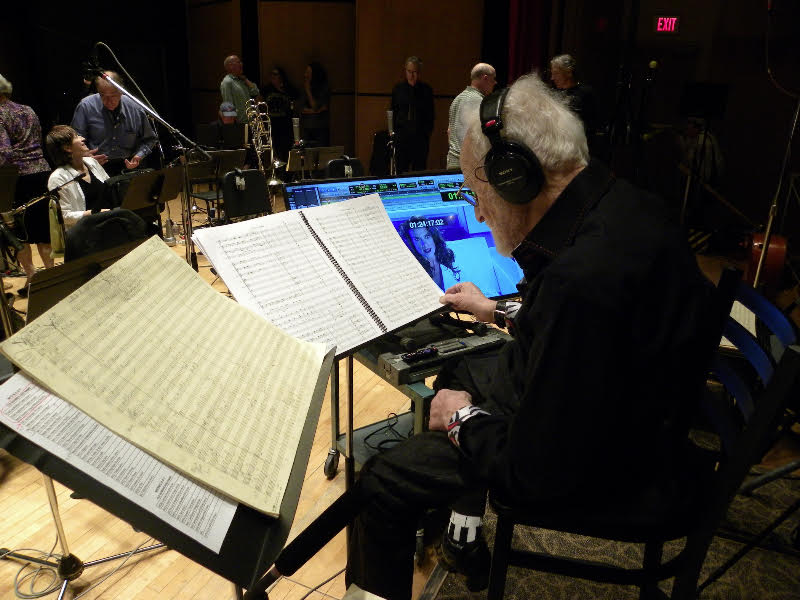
(482, 82)
(236, 88)
(115, 128)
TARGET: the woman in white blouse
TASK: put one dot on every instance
(71, 157)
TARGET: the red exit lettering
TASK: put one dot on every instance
(666, 24)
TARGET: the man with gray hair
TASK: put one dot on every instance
(412, 110)
(580, 96)
(586, 405)
(482, 82)
(235, 87)
(116, 130)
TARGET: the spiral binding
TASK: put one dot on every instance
(347, 279)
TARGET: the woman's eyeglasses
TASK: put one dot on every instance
(467, 195)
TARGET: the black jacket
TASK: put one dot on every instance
(610, 347)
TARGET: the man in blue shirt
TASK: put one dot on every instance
(116, 129)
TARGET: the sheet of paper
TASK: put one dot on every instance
(149, 350)
(745, 317)
(361, 237)
(273, 266)
(63, 430)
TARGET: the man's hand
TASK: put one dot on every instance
(101, 158)
(133, 162)
(466, 296)
(443, 405)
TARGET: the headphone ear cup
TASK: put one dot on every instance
(514, 172)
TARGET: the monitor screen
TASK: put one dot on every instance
(438, 228)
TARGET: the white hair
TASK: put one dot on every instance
(5, 86)
(565, 62)
(537, 117)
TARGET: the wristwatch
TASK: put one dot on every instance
(500, 310)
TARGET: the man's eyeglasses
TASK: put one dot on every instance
(467, 195)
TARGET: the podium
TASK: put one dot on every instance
(253, 540)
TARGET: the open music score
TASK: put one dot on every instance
(337, 274)
(222, 398)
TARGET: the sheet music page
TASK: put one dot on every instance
(152, 352)
(361, 237)
(273, 266)
(745, 317)
(63, 430)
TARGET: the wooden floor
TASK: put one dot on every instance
(93, 533)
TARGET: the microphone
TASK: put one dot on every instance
(296, 130)
(91, 66)
(390, 121)
(652, 67)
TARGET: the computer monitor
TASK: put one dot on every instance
(438, 228)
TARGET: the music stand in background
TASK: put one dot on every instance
(253, 541)
(149, 191)
(312, 159)
(706, 101)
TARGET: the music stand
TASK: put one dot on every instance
(310, 159)
(253, 540)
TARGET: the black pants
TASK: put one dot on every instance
(411, 151)
(426, 471)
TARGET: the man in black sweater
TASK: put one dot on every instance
(412, 109)
(607, 350)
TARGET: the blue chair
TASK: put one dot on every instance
(745, 421)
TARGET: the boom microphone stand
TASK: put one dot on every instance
(185, 145)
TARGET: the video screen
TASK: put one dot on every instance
(439, 229)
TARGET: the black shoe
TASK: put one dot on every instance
(471, 560)
(23, 292)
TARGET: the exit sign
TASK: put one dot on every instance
(666, 24)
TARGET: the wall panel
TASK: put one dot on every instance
(214, 31)
(292, 34)
(446, 35)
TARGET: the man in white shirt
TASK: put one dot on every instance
(482, 82)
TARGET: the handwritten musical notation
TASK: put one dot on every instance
(149, 350)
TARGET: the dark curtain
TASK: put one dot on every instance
(528, 34)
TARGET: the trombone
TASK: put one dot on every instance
(261, 133)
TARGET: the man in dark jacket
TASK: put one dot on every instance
(608, 350)
(412, 108)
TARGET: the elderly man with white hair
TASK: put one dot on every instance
(579, 408)
(482, 80)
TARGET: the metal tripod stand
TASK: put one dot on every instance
(68, 566)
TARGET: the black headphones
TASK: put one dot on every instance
(511, 168)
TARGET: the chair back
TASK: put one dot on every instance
(344, 167)
(244, 194)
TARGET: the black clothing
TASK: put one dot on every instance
(315, 127)
(581, 99)
(93, 192)
(281, 110)
(608, 348)
(412, 109)
(33, 225)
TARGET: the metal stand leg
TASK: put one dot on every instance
(332, 461)
(749, 546)
(69, 566)
(349, 461)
